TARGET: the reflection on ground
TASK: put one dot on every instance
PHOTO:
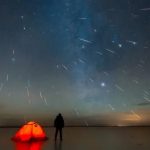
(28, 145)
(58, 146)
(35, 145)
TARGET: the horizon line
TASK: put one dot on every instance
(72, 126)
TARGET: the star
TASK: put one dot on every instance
(103, 84)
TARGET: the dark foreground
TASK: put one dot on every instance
(80, 138)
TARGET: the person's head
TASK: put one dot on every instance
(59, 114)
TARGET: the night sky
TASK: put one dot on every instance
(88, 59)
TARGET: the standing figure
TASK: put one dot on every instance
(58, 124)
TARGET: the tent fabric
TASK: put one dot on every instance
(30, 132)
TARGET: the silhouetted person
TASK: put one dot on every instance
(58, 124)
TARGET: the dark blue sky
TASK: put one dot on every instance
(85, 58)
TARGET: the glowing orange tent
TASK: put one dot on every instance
(30, 132)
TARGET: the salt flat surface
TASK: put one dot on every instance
(80, 138)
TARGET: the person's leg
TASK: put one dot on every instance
(60, 130)
(56, 132)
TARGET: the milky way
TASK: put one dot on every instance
(88, 59)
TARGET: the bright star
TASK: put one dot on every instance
(103, 84)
